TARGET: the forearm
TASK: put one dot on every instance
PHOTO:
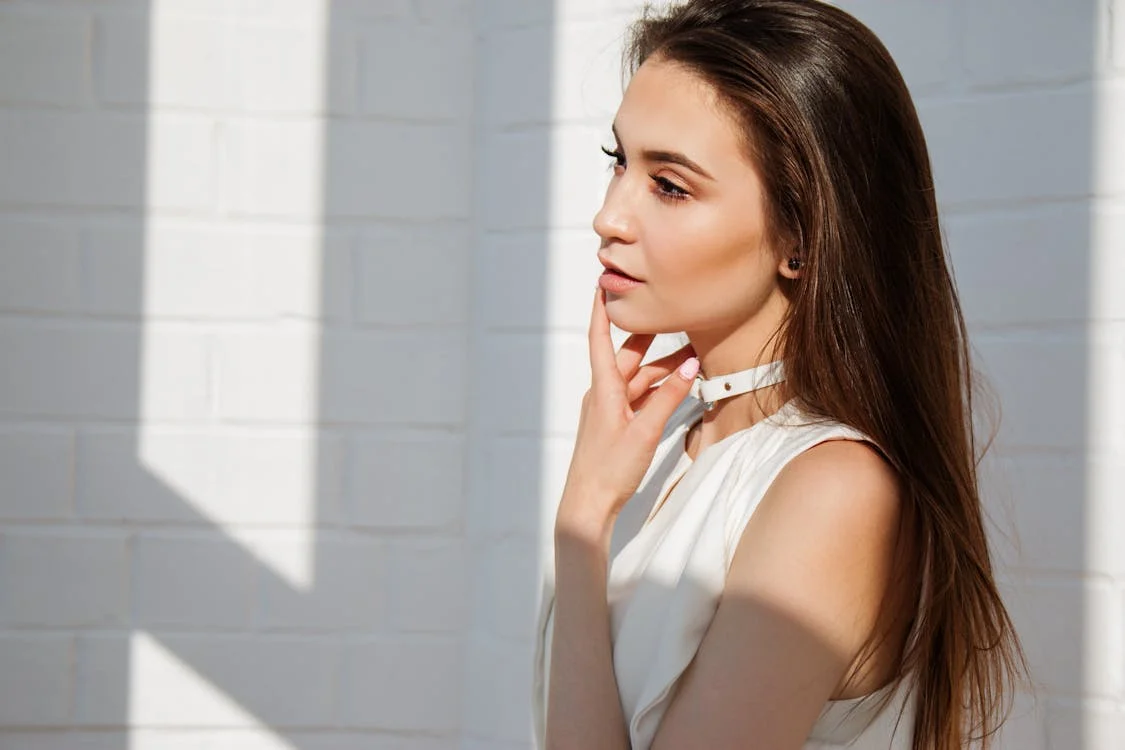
(584, 707)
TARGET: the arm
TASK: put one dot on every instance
(622, 418)
(583, 687)
(802, 597)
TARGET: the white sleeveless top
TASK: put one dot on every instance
(668, 565)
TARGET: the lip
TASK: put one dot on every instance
(613, 268)
(617, 283)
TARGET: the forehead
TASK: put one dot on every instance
(668, 107)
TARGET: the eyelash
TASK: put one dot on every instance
(668, 189)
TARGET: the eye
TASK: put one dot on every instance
(617, 156)
(669, 189)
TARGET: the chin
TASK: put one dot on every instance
(634, 321)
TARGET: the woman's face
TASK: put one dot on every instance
(684, 214)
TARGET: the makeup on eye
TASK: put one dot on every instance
(667, 188)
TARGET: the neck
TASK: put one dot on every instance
(748, 347)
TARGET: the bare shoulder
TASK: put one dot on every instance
(822, 542)
(841, 480)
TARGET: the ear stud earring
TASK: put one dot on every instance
(795, 264)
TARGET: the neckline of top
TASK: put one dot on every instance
(683, 442)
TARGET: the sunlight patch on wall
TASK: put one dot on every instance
(232, 266)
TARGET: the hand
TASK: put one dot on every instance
(617, 438)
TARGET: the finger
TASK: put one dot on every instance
(631, 353)
(639, 402)
(603, 360)
(655, 371)
(664, 399)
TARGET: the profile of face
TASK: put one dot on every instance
(685, 214)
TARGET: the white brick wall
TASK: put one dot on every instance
(292, 305)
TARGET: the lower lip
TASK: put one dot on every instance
(616, 283)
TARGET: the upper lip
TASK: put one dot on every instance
(614, 267)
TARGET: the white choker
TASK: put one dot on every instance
(736, 383)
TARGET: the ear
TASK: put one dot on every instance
(792, 266)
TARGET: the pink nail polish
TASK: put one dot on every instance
(689, 368)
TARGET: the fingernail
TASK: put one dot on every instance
(689, 368)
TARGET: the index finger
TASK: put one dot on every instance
(603, 359)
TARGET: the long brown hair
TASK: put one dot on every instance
(875, 337)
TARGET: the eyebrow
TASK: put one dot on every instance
(670, 157)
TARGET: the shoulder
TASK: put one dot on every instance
(837, 477)
(823, 539)
(801, 600)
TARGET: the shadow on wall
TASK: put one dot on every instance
(193, 545)
(242, 373)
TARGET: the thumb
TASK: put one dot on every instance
(659, 406)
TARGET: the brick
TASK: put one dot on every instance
(407, 482)
(107, 160)
(355, 382)
(444, 12)
(508, 481)
(85, 573)
(587, 81)
(918, 34)
(429, 586)
(1066, 628)
(1105, 372)
(43, 59)
(347, 590)
(503, 712)
(1021, 369)
(35, 679)
(177, 738)
(1105, 484)
(508, 576)
(517, 71)
(165, 61)
(513, 172)
(1010, 42)
(295, 70)
(1026, 725)
(1088, 724)
(215, 272)
(493, 14)
(544, 383)
(300, 472)
(1038, 507)
(982, 150)
(208, 477)
(440, 61)
(1106, 303)
(341, 10)
(536, 281)
(531, 187)
(42, 267)
(81, 370)
(1023, 267)
(415, 276)
(360, 169)
(403, 172)
(191, 580)
(268, 375)
(212, 680)
(1108, 148)
(413, 378)
(1117, 33)
(38, 470)
(401, 684)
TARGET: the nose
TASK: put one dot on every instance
(616, 220)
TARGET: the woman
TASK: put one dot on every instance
(781, 545)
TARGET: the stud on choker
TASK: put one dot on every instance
(710, 390)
